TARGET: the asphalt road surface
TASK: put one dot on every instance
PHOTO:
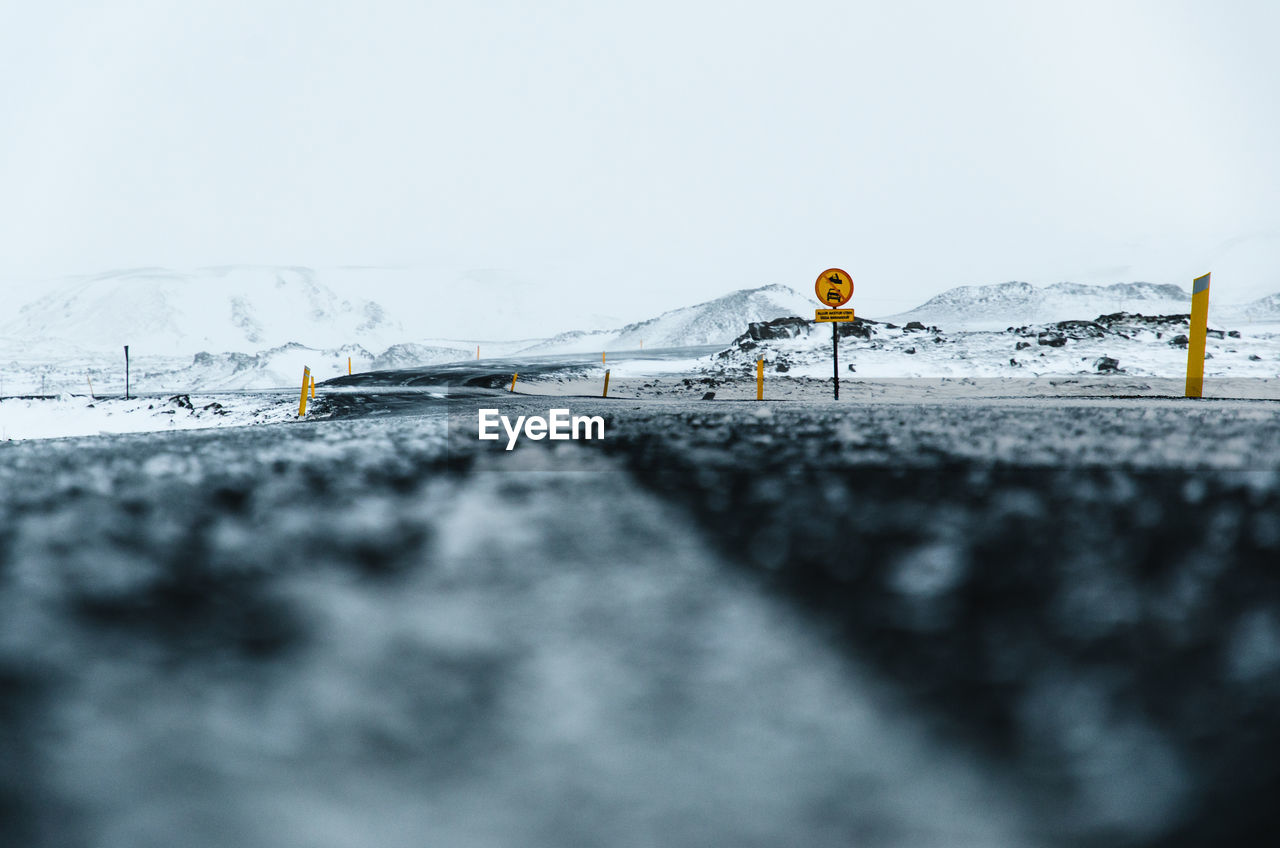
(975, 622)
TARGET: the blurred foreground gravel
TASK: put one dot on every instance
(986, 623)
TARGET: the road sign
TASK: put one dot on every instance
(833, 288)
(821, 315)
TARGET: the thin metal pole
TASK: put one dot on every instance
(835, 359)
(126, 372)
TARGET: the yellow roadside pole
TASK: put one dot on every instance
(1195, 347)
(348, 365)
(606, 385)
(306, 383)
(477, 351)
(602, 357)
(513, 380)
(90, 379)
(313, 387)
(759, 379)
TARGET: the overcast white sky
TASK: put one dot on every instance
(623, 158)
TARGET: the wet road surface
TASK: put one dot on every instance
(992, 622)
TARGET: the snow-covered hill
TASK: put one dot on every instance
(1005, 304)
(240, 308)
(995, 307)
(716, 321)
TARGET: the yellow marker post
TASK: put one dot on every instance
(477, 351)
(90, 379)
(348, 365)
(759, 379)
(602, 357)
(606, 385)
(313, 388)
(513, 380)
(306, 383)
(1195, 347)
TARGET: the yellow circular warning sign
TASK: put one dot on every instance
(834, 288)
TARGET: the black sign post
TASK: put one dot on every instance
(835, 358)
(126, 372)
(833, 288)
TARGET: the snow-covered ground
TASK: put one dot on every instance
(1129, 344)
(82, 415)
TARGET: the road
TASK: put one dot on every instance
(988, 622)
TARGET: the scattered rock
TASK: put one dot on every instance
(1214, 334)
(778, 328)
(709, 396)
(1235, 334)
(1051, 339)
(1022, 345)
(910, 350)
(858, 327)
(182, 401)
(914, 325)
(1179, 341)
(1255, 358)
(1105, 364)
(1081, 329)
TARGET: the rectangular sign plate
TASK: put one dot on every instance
(833, 315)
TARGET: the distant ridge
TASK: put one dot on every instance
(235, 308)
(1003, 304)
(717, 321)
(994, 307)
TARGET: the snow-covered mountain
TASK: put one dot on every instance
(716, 321)
(1264, 310)
(226, 309)
(1005, 304)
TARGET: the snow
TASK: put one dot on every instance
(81, 415)
(1143, 348)
(714, 322)
(227, 309)
(993, 307)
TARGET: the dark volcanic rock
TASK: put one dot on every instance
(778, 328)
(914, 325)
(1105, 364)
(709, 396)
(1051, 339)
(859, 328)
(1179, 341)
(1081, 329)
